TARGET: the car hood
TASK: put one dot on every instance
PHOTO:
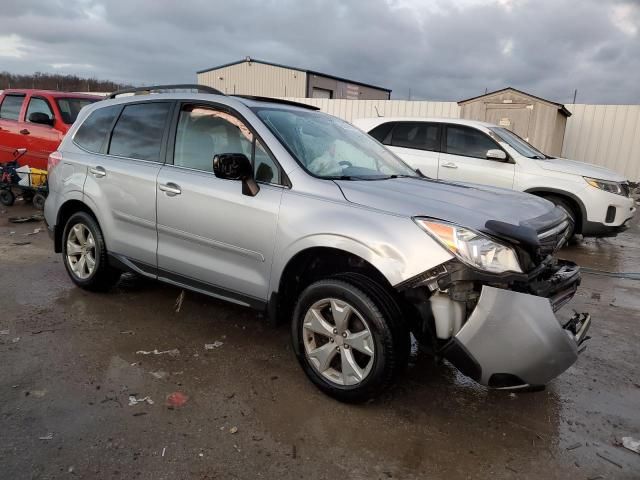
(472, 206)
(575, 167)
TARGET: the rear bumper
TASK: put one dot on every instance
(514, 339)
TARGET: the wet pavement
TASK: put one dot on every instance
(70, 360)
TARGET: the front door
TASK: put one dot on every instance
(41, 139)
(515, 117)
(210, 235)
(464, 158)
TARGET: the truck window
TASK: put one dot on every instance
(10, 108)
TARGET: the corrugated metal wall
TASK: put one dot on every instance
(351, 109)
(256, 79)
(607, 135)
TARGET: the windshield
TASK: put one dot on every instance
(520, 146)
(70, 108)
(328, 147)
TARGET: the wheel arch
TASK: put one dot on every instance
(65, 211)
(311, 264)
(568, 197)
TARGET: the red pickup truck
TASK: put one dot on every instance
(36, 120)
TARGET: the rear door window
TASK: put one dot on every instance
(93, 132)
(139, 131)
(11, 106)
(39, 105)
(419, 136)
(468, 142)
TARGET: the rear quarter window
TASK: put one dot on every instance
(381, 132)
(92, 134)
(11, 106)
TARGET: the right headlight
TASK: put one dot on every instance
(606, 185)
(471, 247)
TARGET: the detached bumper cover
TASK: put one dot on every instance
(514, 339)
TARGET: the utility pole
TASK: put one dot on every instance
(575, 94)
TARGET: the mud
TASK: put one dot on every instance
(68, 365)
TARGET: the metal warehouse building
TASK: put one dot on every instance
(256, 77)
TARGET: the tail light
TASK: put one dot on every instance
(54, 160)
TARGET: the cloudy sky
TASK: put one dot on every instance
(435, 49)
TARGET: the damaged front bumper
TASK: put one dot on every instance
(514, 339)
(501, 330)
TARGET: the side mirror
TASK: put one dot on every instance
(236, 166)
(41, 118)
(497, 154)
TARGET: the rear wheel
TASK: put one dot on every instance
(38, 201)
(85, 255)
(349, 342)
(7, 197)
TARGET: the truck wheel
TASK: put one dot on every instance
(38, 201)
(84, 254)
(350, 343)
(7, 197)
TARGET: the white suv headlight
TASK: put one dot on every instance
(607, 186)
(471, 247)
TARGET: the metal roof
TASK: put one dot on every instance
(312, 72)
(560, 106)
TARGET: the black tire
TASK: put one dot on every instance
(7, 198)
(38, 201)
(103, 276)
(390, 336)
(569, 210)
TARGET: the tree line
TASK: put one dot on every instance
(53, 81)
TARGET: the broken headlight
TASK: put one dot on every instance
(471, 247)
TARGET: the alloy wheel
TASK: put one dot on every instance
(338, 342)
(81, 251)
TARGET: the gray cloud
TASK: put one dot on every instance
(440, 50)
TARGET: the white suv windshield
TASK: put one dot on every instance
(517, 143)
(328, 147)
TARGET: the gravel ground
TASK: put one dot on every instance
(69, 364)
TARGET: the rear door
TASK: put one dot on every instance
(464, 158)
(41, 139)
(417, 143)
(210, 235)
(121, 183)
(10, 137)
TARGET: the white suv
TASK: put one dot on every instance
(597, 199)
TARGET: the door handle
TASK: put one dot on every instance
(449, 165)
(170, 189)
(98, 172)
(24, 131)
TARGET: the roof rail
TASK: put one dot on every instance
(181, 86)
(278, 100)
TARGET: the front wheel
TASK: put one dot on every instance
(349, 342)
(85, 255)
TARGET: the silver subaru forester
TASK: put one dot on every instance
(278, 207)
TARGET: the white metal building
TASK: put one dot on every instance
(256, 77)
